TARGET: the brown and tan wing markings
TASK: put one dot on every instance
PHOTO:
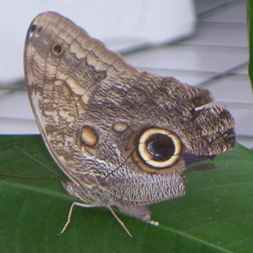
(60, 91)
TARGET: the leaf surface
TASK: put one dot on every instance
(216, 215)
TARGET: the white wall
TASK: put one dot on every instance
(114, 21)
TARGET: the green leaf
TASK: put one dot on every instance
(215, 216)
(250, 28)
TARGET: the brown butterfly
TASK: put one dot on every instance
(122, 137)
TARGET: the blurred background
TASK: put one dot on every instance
(201, 42)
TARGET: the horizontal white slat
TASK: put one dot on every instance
(112, 21)
(185, 57)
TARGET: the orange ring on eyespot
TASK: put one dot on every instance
(147, 157)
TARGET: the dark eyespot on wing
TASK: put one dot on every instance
(161, 147)
(57, 49)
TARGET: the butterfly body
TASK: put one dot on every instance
(104, 121)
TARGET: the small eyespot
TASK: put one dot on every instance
(89, 136)
(159, 148)
(119, 127)
(57, 50)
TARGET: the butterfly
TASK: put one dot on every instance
(123, 137)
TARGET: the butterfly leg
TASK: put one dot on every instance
(70, 214)
(75, 191)
(122, 224)
(140, 212)
(85, 205)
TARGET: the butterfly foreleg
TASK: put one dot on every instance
(70, 214)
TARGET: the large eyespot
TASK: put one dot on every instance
(159, 148)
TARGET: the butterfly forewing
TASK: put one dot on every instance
(63, 66)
